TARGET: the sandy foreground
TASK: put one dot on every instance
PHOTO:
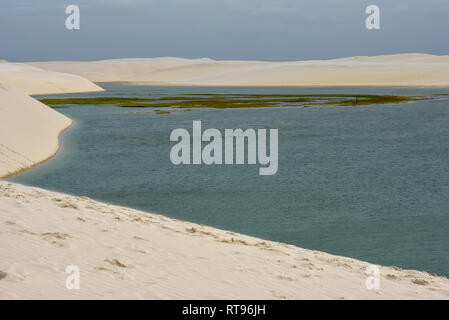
(124, 253)
(385, 70)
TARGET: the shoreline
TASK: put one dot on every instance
(22, 170)
(127, 254)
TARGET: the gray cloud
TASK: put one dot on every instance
(219, 29)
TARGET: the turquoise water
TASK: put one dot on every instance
(366, 182)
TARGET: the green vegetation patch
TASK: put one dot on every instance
(225, 101)
(367, 100)
(162, 112)
(92, 101)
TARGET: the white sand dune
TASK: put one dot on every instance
(33, 80)
(117, 69)
(385, 70)
(29, 130)
(124, 253)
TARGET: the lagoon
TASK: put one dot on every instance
(368, 182)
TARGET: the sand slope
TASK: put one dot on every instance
(29, 130)
(124, 253)
(386, 70)
(33, 80)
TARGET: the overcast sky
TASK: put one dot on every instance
(275, 30)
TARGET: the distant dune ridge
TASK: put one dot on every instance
(384, 70)
(32, 80)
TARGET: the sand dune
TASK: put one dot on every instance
(117, 69)
(124, 253)
(29, 130)
(386, 70)
(33, 80)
